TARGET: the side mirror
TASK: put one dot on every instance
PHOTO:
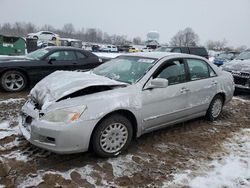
(157, 83)
(51, 60)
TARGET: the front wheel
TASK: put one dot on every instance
(215, 108)
(112, 136)
(13, 81)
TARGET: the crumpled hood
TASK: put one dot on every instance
(237, 65)
(63, 83)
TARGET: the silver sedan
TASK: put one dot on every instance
(104, 109)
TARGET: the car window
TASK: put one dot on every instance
(198, 69)
(63, 56)
(178, 50)
(173, 71)
(198, 51)
(80, 55)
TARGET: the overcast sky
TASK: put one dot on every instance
(210, 19)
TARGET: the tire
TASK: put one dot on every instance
(215, 108)
(35, 37)
(53, 38)
(112, 136)
(13, 81)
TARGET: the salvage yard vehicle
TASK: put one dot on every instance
(43, 36)
(200, 51)
(240, 69)
(225, 57)
(103, 109)
(18, 72)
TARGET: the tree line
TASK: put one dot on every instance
(186, 37)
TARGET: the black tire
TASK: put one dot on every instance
(13, 81)
(53, 38)
(101, 132)
(35, 37)
(215, 108)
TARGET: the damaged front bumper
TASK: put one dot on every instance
(56, 137)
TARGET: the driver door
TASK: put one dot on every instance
(162, 106)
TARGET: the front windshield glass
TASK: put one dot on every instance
(244, 55)
(38, 54)
(226, 56)
(125, 69)
(164, 49)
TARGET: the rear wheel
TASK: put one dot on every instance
(215, 108)
(13, 81)
(112, 136)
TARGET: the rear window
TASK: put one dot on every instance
(198, 51)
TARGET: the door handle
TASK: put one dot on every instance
(214, 83)
(184, 90)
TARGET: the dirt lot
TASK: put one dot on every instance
(150, 161)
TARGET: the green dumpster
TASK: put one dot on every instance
(11, 45)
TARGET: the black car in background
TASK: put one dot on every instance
(200, 51)
(18, 72)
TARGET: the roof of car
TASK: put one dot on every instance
(62, 48)
(154, 55)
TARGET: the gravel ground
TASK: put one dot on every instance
(171, 157)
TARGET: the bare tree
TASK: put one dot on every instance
(137, 40)
(186, 37)
(216, 45)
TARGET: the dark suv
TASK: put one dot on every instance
(200, 51)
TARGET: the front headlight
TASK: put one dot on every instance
(67, 115)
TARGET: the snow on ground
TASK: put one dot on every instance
(229, 171)
(6, 130)
(11, 100)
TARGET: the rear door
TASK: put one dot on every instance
(86, 61)
(202, 85)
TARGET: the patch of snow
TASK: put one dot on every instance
(6, 130)
(122, 166)
(241, 99)
(230, 171)
(11, 100)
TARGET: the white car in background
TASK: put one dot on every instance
(108, 48)
(43, 36)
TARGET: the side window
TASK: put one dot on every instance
(80, 55)
(173, 71)
(198, 69)
(178, 50)
(63, 56)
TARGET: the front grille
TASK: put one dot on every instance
(240, 74)
(240, 80)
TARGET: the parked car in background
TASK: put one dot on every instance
(108, 48)
(133, 49)
(200, 51)
(225, 57)
(16, 73)
(103, 109)
(43, 36)
(240, 69)
(124, 48)
(147, 49)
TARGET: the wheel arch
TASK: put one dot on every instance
(126, 113)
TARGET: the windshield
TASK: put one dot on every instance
(244, 55)
(125, 69)
(226, 56)
(164, 49)
(38, 54)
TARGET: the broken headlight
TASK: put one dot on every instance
(67, 115)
